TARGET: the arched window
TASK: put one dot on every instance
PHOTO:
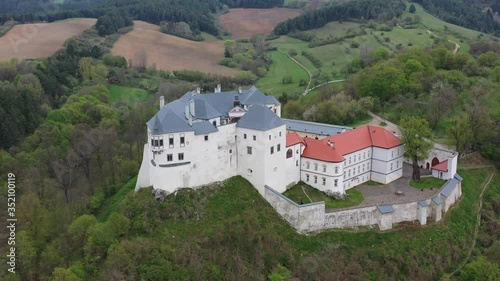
(307, 165)
(315, 179)
(324, 168)
(289, 154)
(315, 166)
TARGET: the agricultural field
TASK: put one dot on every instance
(282, 66)
(243, 23)
(41, 40)
(168, 52)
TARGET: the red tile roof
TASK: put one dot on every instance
(443, 166)
(320, 150)
(293, 138)
(363, 137)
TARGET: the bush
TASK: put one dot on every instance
(354, 44)
(314, 60)
(287, 79)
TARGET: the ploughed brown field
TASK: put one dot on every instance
(40, 40)
(243, 23)
(169, 52)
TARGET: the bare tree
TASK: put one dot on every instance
(141, 60)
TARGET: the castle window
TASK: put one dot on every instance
(315, 166)
(278, 147)
(272, 149)
(170, 157)
(307, 165)
(336, 183)
(349, 173)
(344, 176)
(171, 141)
(359, 168)
(280, 134)
(183, 140)
(354, 158)
(392, 153)
(269, 137)
(336, 169)
(206, 138)
(391, 166)
(368, 153)
(349, 160)
(181, 156)
(364, 155)
(397, 164)
(368, 166)
(307, 177)
(296, 162)
(363, 167)
(315, 179)
(324, 181)
(245, 136)
(254, 137)
(249, 150)
(324, 168)
(249, 171)
(289, 154)
(230, 151)
(161, 142)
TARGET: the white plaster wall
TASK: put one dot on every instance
(329, 174)
(452, 198)
(405, 212)
(441, 175)
(293, 164)
(352, 218)
(143, 179)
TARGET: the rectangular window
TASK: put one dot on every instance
(272, 149)
(170, 157)
(280, 134)
(244, 136)
(324, 181)
(397, 164)
(206, 138)
(307, 177)
(181, 156)
(315, 179)
(391, 166)
(269, 137)
(359, 169)
(230, 151)
(336, 183)
(392, 154)
(278, 147)
(254, 137)
(349, 160)
(161, 142)
(324, 169)
(183, 140)
(171, 141)
(249, 150)
(157, 143)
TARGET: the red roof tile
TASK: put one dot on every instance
(443, 166)
(320, 150)
(293, 138)
(363, 137)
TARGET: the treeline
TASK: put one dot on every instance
(198, 14)
(382, 10)
(111, 22)
(467, 13)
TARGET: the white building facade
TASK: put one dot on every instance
(204, 138)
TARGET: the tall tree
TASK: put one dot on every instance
(416, 136)
(461, 130)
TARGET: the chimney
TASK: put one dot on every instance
(343, 130)
(191, 108)
(219, 89)
(236, 101)
(240, 89)
(162, 102)
(198, 90)
(188, 115)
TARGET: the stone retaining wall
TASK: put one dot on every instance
(312, 217)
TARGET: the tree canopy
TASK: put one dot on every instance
(416, 136)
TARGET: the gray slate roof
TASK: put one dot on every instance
(423, 203)
(458, 177)
(171, 118)
(314, 128)
(449, 187)
(259, 117)
(385, 209)
(203, 127)
(437, 200)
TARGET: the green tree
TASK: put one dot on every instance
(62, 274)
(495, 73)
(85, 67)
(415, 134)
(480, 270)
(412, 9)
(461, 130)
(280, 273)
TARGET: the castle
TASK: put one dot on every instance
(203, 138)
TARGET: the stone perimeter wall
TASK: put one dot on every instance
(313, 217)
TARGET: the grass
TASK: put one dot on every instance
(112, 204)
(282, 66)
(127, 94)
(427, 183)
(234, 213)
(296, 194)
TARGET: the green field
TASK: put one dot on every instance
(297, 195)
(282, 66)
(127, 94)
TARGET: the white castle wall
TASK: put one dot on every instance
(293, 164)
(312, 217)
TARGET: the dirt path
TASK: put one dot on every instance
(301, 65)
(478, 224)
(457, 47)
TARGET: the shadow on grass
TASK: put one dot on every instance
(296, 193)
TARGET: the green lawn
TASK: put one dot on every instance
(282, 66)
(427, 183)
(296, 194)
(127, 94)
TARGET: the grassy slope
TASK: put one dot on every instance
(237, 202)
(127, 94)
(296, 194)
(282, 66)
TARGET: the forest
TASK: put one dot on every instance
(357, 9)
